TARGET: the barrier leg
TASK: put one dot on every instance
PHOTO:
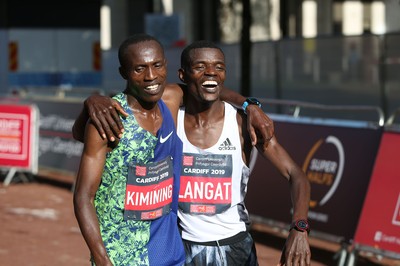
(9, 176)
(341, 255)
(351, 260)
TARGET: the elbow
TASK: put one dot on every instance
(76, 135)
(300, 179)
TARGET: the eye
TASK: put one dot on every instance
(220, 67)
(158, 65)
(139, 69)
(199, 67)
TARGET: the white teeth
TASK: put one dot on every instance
(210, 83)
(152, 87)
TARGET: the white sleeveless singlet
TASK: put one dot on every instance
(213, 184)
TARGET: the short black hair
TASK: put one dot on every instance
(185, 55)
(134, 39)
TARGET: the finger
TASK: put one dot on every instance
(282, 261)
(115, 122)
(289, 259)
(104, 119)
(98, 125)
(300, 259)
(268, 129)
(116, 105)
(253, 136)
(308, 259)
(115, 115)
(96, 122)
(266, 133)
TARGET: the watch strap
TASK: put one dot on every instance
(301, 225)
(248, 101)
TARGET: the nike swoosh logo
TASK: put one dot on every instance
(162, 140)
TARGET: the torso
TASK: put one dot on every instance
(219, 165)
(137, 146)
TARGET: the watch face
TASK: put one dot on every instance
(302, 225)
(252, 101)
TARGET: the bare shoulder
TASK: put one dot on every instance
(172, 93)
(173, 98)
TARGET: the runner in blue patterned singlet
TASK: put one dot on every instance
(126, 194)
(127, 242)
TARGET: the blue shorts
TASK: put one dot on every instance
(237, 250)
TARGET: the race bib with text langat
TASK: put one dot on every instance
(206, 183)
(149, 190)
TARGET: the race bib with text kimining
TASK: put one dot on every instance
(206, 183)
(149, 190)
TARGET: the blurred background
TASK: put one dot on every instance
(320, 51)
(325, 70)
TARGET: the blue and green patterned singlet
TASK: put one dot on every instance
(130, 242)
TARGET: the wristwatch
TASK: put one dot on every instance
(250, 100)
(300, 225)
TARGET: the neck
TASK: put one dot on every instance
(139, 105)
(205, 113)
(147, 114)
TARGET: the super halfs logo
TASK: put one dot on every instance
(324, 168)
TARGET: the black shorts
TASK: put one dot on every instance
(237, 250)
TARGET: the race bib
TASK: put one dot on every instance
(149, 190)
(206, 183)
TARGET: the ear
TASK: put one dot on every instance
(122, 73)
(181, 74)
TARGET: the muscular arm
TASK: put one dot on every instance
(87, 183)
(296, 250)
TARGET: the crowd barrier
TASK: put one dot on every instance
(351, 164)
(57, 154)
(354, 174)
(58, 151)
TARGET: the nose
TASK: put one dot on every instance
(210, 70)
(151, 74)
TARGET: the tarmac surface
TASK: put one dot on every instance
(38, 228)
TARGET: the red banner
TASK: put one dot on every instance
(17, 135)
(379, 225)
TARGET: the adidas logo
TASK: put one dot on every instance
(226, 145)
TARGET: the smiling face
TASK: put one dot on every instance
(144, 68)
(204, 74)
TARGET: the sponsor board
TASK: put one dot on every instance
(338, 162)
(379, 224)
(58, 150)
(18, 132)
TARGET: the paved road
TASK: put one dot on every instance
(38, 227)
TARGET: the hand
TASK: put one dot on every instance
(296, 250)
(259, 124)
(104, 113)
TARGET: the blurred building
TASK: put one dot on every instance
(300, 48)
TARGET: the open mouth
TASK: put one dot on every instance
(152, 88)
(210, 86)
